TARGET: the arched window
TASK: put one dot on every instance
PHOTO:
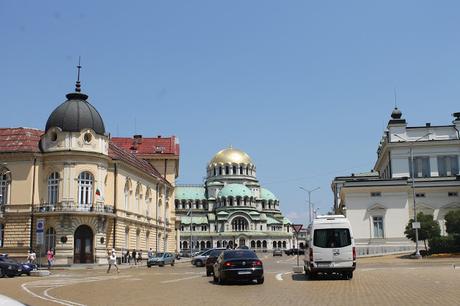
(53, 188)
(218, 244)
(240, 224)
(147, 236)
(214, 171)
(138, 238)
(234, 170)
(253, 244)
(284, 244)
(258, 244)
(227, 170)
(126, 192)
(184, 245)
(202, 245)
(4, 184)
(274, 244)
(241, 169)
(85, 189)
(220, 170)
(2, 233)
(127, 238)
(50, 238)
(264, 244)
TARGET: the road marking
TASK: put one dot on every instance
(54, 283)
(279, 276)
(181, 279)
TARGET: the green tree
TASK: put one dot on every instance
(453, 222)
(429, 228)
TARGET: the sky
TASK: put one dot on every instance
(306, 88)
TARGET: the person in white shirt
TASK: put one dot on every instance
(112, 260)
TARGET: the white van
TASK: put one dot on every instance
(330, 247)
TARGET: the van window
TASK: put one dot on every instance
(332, 238)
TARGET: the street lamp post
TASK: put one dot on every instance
(412, 174)
(310, 211)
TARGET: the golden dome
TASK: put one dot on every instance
(231, 156)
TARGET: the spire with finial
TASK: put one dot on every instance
(77, 85)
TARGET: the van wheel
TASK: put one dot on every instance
(172, 264)
(2, 274)
(348, 275)
(260, 280)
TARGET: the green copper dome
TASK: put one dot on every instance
(190, 193)
(267, 195)
(235, 190)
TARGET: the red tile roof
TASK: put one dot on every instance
(20, 139)
(117, 153)
(149, 145)
(28, 140)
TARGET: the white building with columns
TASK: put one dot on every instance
(380, 203)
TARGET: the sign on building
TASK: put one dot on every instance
(40, 231)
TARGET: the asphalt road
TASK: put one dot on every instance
(377, 281)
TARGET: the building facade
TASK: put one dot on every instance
(380, 203)
(231, 208)
(76, 190)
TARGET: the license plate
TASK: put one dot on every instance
(325, 265)
(243, 272)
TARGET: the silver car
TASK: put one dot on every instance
(161, 259)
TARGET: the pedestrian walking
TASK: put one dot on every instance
(112, 260)
(50, 257)
(150, 253)
(127, 257)
(139, 257)
(31, 256)
(133, 254)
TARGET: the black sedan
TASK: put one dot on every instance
(236, 265)
(212, 258)
(9, 267)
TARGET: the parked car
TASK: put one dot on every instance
(238, 265)
(161, 259)
(277, 252)
(9, 267)
(28, 267)
(212, 258)
(243, 247)
(331, 247)
(200, 259)
(294, 251)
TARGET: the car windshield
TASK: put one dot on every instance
(332, 238)
(159, 255)
(239, 254)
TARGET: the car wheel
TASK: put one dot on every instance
(172, 263)
(148, 266)
(260, 281)
(215, 279)
(348, 275)
(2, 274)
(199, 263)
(11, 275)
(221, 281)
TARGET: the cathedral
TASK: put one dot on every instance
(231, 209)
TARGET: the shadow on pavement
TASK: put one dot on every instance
(322, 277)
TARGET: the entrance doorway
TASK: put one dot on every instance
(83, 245)
(242, 242)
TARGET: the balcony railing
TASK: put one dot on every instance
(73, 207)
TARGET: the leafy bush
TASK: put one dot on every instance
(429, 228)
(446, 244)
(453, 222)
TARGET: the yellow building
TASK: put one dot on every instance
(89, 192)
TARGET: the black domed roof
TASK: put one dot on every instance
(76, 114)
